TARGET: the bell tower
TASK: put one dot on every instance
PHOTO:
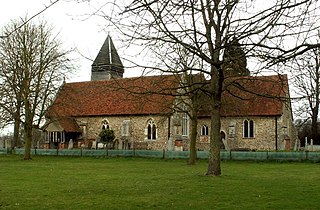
(107, 64)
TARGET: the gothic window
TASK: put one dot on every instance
(204, 130)
(126, 128)
(151, 130)
(185, 124)
(105, 125)
(232, 131)
(248, 129)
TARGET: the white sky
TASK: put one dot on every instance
(69, 20)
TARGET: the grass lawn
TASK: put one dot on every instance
(136, 183)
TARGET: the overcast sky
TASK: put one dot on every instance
(69, 20)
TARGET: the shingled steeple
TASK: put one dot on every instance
(107, 64)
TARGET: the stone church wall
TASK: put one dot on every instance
(137, 137)
(264, 132)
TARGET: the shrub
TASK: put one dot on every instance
(107, 135)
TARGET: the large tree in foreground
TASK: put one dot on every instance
(207, 29)
(32, 66)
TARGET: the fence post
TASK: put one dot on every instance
(163, 153)
(57, 151)
(307, 154)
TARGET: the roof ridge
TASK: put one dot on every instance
(125, 78)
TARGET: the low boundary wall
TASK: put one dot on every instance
(225, 155)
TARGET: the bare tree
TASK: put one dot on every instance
(32, 67)
(183, 65)
(11, 98)
(196, 96)
(205, 29)
(306, 80)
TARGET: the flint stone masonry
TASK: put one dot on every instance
(137, 129)
(264, 132)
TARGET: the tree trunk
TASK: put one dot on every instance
(27, 131)
(16, 129)
(28, 139)
(314, 125)
(193, 141)
(315, 103)
(216, 82)
(214, 154)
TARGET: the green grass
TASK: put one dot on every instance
(136, 183)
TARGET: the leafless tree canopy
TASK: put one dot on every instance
(270, 32)
(32, 65)
(306, 85)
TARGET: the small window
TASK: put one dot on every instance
(105, 125)
(126, 128)
(151, 130)
(204, 130)
(185, 124)
(248, 129)
(232, 130)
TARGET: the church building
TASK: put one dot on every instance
(256, 111)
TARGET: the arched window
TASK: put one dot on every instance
(204, 130)
(125, 131)
(151, 130)
(248, 129)
(105, 125)
(185, 125)
(154, 132)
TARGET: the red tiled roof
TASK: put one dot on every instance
(128, 96)
(242, 96)
(69, 125)
(255, 96)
